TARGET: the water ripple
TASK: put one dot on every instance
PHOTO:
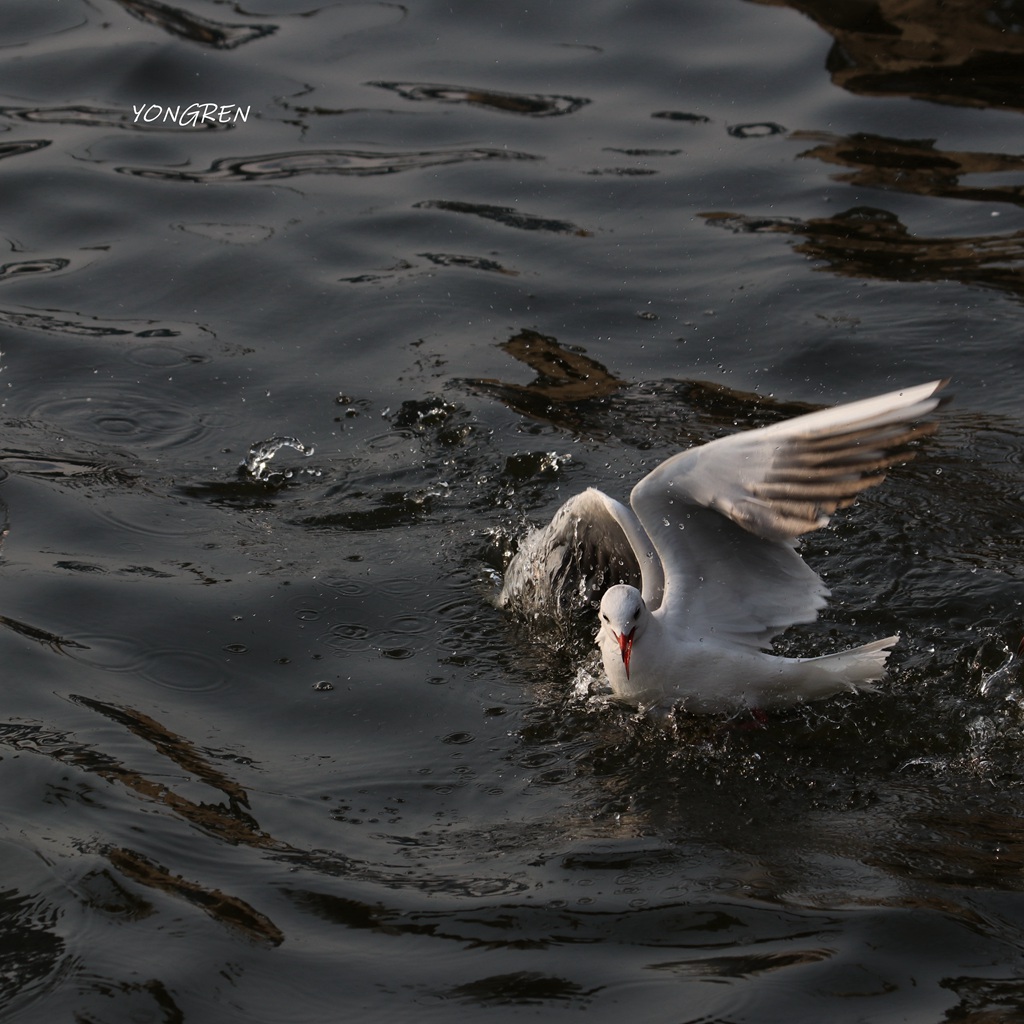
(274, 166)
(233, 234)
(90, 326)
(180, 668)
(681, 115)
(111, 652)
(137, 513)
(20, 148)
(83, 115)
(451, 259)
(507, 215)
(756, 130)
(917, 167)
(105, 412)
(164, 356)
(32, 267)
(347, 638)
(191, 27)
(867, 242)
(527, 104)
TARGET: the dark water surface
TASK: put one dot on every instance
(268, 751)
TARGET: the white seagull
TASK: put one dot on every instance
(711, 535)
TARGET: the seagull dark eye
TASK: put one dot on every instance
(636, 614)
(605, 617)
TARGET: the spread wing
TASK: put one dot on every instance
(592, 542)
(724, 517)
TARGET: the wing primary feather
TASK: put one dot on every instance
(888, 436)
(772, 520)
(821, 490)
(796, 470)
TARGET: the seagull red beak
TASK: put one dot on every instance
(626, 646)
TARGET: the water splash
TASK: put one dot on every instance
(257, 462)
(1004, 680)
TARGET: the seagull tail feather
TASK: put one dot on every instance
(859, 667)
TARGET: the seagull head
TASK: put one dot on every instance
(623, 618)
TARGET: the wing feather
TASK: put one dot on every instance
(592, 542)
(724, 516)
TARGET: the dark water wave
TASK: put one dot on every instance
(177, 21)
(872, 243)
(50, 266)
(99, 117)
(56, 643)
(915, 166)
(969, 54)
(506, 215)
(267, 743)
(450, 259)
(507, 103)
(565, 380)
(275, 166)
(67, 324)
(9, 149)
